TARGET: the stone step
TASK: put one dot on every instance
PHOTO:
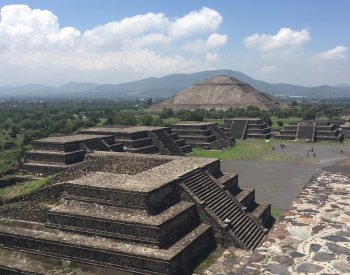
(181, 258)
(14, 262)
(186, 149)
(192, 132)
(246, 230)
(117, 190)
(195, 126)
(254, 239)
(38, 168)
(239, 229)
(199, 139)
(136, 143)
(55, 156)
(262, 213)
(180, 142)
(203, 189)
(127, 225)
(224, 209)
(246, 197)
(143, 150)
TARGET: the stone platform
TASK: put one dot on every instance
(144, 139)
(311, 131)
(242, 128)
(203, 135)
(54, 154)
(147, 214)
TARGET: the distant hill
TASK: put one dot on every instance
(164, 87)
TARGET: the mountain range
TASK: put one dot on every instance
(164, 87)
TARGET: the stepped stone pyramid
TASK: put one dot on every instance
(144, 214)
(242, 128)
(55, 154)
(311, 131)
(202, 135)
(145, 139)
(220, 92)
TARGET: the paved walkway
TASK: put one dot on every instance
(279, 176)
(313, 237)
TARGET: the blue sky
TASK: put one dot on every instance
(57, 41)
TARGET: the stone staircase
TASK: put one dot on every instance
(145, 139)
(242, 128)
(100, 223)
(328, 132)
(311, 131)
(288, 132)
(202, 135)
(245, 228)
(306, 132)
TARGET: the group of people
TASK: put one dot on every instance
(282, 146)
(310, 150)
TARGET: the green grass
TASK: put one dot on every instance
(276, 213)
(219, 121)
(243, 150)
(22, 188)
(169, 121)
(285, 121)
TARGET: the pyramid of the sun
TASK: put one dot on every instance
(220, 92)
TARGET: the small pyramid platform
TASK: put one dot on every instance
(202, 135)
(55, 154)
(311, 131)
(242, 128)
(145, 139)
(144, 214)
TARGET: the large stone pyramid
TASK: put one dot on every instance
(220, 92)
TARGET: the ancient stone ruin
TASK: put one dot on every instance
(311, 131)
(145, 139)
(145, 214)
(55, 154)
(242, 128)
(203, 135)
(220, 92)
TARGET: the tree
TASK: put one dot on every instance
(124, 119)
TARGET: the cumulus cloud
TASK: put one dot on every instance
(24, 28)
(212, 57)
(338, 52)
(216, 40)
(196, 22)
(32, 39)
(285, 38)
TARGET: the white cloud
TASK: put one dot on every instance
(339, 52)
(286, 38)
(268, 69)
(115, 35)
(196, 22)
(212, 57)
(22, 28)
(33, 44)
(216, 40)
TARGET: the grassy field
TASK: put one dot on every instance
(244, 149)
(22, 188)
(285, 121)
